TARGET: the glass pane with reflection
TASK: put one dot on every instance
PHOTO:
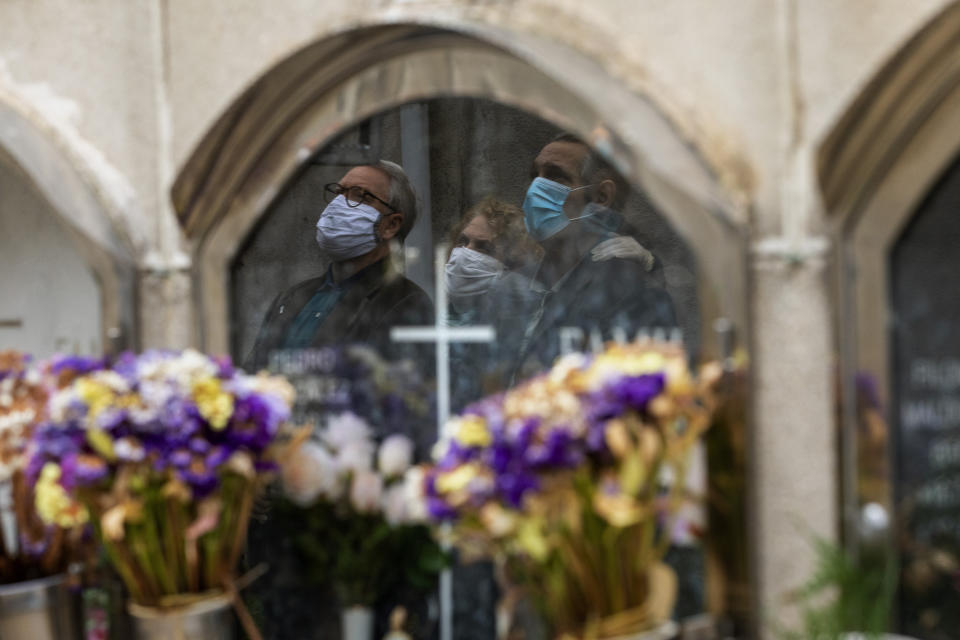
(425, 258)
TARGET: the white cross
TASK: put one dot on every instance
(442, 335)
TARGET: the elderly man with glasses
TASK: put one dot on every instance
(361, 296)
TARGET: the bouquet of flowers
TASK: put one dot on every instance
(163, 454)
(36, 549)
(362, 510)
(574, 480)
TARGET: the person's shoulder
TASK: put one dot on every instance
(300, 292)
(401, 286)
(614, 270)
(309, 285)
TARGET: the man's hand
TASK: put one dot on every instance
(623, 247)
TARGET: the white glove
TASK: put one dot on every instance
(623, 247)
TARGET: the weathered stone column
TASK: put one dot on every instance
(795, 444)
(165, 309)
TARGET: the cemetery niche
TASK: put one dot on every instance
(528, 245)
(926, 412)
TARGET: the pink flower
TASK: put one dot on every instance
(366, 491)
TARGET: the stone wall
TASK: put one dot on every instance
(127, 90)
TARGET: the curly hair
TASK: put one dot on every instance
(512, 245)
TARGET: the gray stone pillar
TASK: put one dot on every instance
(795, 440)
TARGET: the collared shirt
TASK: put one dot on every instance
(303, 329)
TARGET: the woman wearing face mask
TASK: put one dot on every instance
(487, 270)
(489, 281)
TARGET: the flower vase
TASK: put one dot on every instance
(38, 610)
(356, 623)
(208, 619)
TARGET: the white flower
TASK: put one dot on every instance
(414, 498)
(395, 455)
(128, 449)
(395, 504)
(310, 472)
(355, 456)
(344, 429)
(365, 491)
(60, 404)
(112, 380)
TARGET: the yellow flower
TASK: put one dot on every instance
(214, 404)
(113, 520)
(618, 438)
(471, 431)
(679, 381)
(497, 520)
(53, 504)
(101, 442)
(618, 509)
(96, 395)
(458, 479)
(531, 539)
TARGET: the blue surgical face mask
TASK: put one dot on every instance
(345, 232)
(543, 208)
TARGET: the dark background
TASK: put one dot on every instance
(925, 266)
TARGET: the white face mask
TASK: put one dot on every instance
(470, 273)
(345, 232)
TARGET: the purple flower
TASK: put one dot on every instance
(199, 445)
(456, 455)
(180, 458)
(514, 485)
(255, 422)
(113, 420)
(34, 548)
(265, 466)
(636, 392)
(439, 510)
(225, 370)
(218, 455)
(126, 365)
(76, 364)
(490, 409)
(558, 451)
(201, 480)
(52, 443)
(81, 470)
(866, 386)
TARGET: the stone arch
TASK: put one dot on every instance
(260, 141)
(33, 151)
(875, 166)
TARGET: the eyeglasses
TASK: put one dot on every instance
(355, 196)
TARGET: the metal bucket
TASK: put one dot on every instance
(37, 610)
(209, 619)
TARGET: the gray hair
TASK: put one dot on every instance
(402, 197)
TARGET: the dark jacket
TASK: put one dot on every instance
(375, 299)
(593, 303)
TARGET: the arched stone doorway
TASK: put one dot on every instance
(90, 275)
(265, 139)
(885, 171)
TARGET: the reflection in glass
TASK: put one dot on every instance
(549, 246)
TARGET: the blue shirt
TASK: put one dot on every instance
(304, 327)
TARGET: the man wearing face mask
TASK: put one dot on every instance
(572, 209)
(361, 295)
